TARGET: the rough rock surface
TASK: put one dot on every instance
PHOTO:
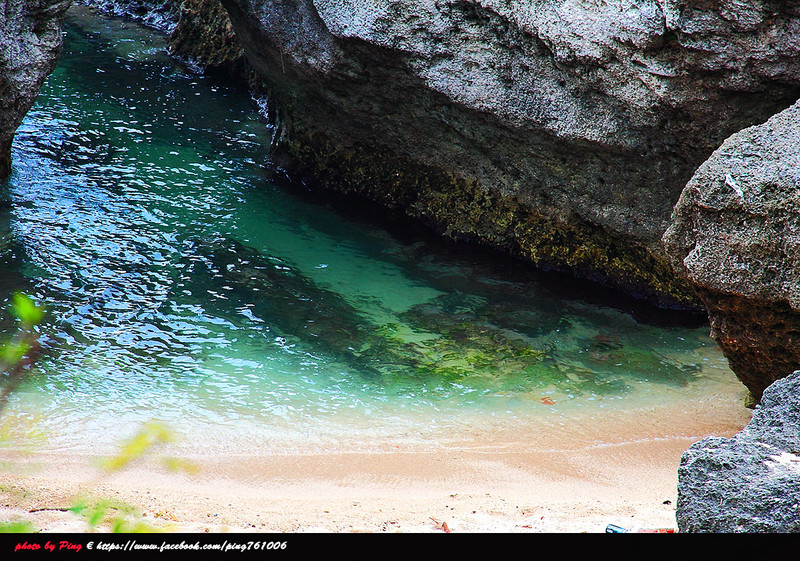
(158, 14)
(751, 482)
(199, 30)
(30, 43)
(735, 234)
(560, 131)
(204, 36)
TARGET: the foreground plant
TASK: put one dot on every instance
(18, 355)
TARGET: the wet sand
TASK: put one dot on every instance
(556, 475)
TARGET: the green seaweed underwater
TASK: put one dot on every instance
(456, 336)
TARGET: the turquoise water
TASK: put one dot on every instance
(185, 282)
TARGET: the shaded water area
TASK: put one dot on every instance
(184, 283)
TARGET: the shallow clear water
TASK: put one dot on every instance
(183, 284)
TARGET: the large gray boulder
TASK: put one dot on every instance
(559, 131)
(751, 482)
(735, 235)
(30, 43)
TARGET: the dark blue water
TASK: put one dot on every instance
(185, 283)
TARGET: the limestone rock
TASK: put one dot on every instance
(199, 30)
(30, 43)
(735, 234)
(562, 132)
(158, 14)
(204, 36)
(751, 482)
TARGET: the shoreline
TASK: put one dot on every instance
(611, 468)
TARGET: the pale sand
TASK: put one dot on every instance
(578, 476)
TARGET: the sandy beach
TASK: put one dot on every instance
(561, 475)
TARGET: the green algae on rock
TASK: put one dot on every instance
(454, 337)
(462, 209)
(297, 310)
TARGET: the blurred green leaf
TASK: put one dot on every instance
(118, 517)
(151, 434)
(178, 464)
(25, 309)
(16, 527)
(13, 352)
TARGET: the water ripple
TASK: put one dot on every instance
(182, 285)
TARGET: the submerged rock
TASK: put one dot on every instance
(751, 482)
(455, 337)
(735, 234)
(228, 273)
(30, 43)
